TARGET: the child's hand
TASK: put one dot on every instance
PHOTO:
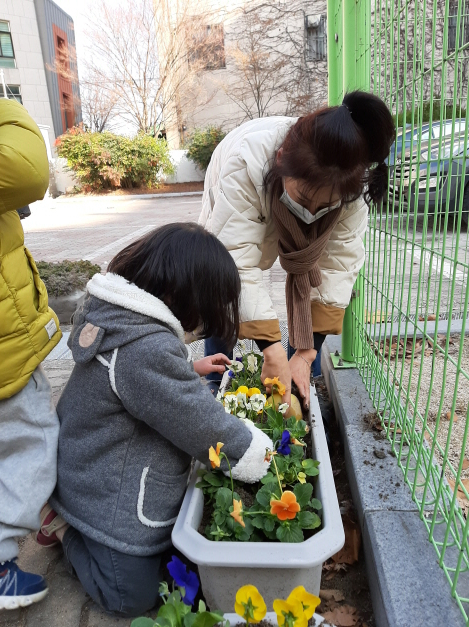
(212, 363)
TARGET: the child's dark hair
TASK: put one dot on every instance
(191, 271)
(340, 147)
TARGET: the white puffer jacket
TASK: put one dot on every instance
(234, 208)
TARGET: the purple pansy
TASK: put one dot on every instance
(284, 447)
(184, 578)
(239, 359)
(231, 374)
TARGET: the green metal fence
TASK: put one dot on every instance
(406, 328)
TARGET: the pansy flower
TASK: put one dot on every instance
(285, 508)
(252, 363)
(237, 512)
(250, 605)
(290, 613)
(308, 601)
(236, 366)
(278, 384)
(214, 455)
(284, 447)
(184, 579)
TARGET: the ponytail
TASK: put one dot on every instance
(340, 147)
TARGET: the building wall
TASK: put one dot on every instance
(54, 22)
(212, 106)
(29, 72)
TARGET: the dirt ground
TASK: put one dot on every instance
(345, 594)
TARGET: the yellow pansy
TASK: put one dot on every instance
(290, 614)
(278, 384)
(252, 391)
(309, 601)
(250, 605)
(242, 390)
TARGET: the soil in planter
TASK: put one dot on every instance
(345, 593)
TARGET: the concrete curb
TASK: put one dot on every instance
(408, 588)
(62, 199)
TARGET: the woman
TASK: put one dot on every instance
(293, 188)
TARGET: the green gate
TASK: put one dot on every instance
(405, 328)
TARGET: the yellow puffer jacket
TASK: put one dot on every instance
(29, 330)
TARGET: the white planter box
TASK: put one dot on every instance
(270, 617)
(274, 568)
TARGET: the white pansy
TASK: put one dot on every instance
(231, 402)
(283, 408)
(252, 363)
(241, 413)
(257, 402)
(242, 399)
(236, 366)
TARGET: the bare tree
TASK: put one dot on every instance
(99, 106)
(140, 58)
(270, 70)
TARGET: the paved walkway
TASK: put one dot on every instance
(94, 229)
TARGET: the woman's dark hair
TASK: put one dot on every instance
(340, 147)
(191, 271)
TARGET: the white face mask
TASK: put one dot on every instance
(301, 212)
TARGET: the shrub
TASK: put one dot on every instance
(64, 277)
(107, 161)
(202, 143)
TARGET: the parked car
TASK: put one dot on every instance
(442, 171)
(409, 135)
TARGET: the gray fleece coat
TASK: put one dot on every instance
(133, 415)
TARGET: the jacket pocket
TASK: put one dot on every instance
(160, 497)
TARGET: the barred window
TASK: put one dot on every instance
(13, 92)
(316, 40)
(453, 24)
(7, 54)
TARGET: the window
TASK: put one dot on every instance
(316, 40)
(13, 92)
(208, 47)
(453, 23)
(7, 55)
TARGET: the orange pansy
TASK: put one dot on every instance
(237, 512)
(286, 508)
(214, 456)
(280, 386)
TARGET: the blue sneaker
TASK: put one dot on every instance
(19, 589)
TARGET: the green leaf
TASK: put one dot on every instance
(213, 479)
(308, 520)
(264, 496)
(303, 493)
(269, 478)
(258, 522)
(269, 524)
(189, 619)
(207, 619)
(202, 606)
(224, 498)
(310, 467)
(142, 622)
(290, 532)
(167, 616)
(219, 517)
(315, 504)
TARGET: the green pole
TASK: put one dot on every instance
(334, 83)
(349, 61)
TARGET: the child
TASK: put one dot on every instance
(134, 412)
(29, 330)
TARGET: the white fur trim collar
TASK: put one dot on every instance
(114, 289)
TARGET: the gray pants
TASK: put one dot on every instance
(126, 585)
(29, 432)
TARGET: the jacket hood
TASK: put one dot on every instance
(116, 313)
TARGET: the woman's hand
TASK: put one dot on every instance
(276, 365)
(300, 367)
(212, 363)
